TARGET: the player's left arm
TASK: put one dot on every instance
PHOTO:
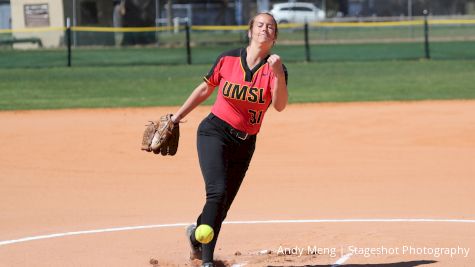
(280, 95)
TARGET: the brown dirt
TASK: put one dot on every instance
(75, 170)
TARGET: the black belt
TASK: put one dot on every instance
(236, 133)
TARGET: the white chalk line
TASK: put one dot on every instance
(141, 227)
(340, 261)
(97, 231)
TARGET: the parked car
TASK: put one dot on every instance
(297, 12)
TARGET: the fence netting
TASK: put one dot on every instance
(327, 41)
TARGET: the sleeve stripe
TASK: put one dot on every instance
(208, 82)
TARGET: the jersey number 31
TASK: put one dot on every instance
(256, 116)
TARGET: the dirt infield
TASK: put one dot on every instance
(69, 171)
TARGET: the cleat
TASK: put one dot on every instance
(195, 250)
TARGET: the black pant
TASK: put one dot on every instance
(224, 159)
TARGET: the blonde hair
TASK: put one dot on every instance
(251, 22)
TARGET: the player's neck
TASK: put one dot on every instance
(255, 53)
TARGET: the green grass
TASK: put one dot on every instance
(133, 86)
(378, 81)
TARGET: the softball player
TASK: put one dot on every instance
(250, 79)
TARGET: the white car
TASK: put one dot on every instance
(297, 13)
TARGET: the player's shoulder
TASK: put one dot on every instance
(231, 53)
(286, 73)
(284, 67)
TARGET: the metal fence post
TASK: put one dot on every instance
(307, 46)
(188, 49)
(68, 40)
(426, 35)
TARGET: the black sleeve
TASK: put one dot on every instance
(286, 74)
(213, 75)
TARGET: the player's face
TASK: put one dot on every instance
(263, 30)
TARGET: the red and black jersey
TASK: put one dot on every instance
(244, 94)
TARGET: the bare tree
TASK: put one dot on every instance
(169, 13)
(223, 7)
